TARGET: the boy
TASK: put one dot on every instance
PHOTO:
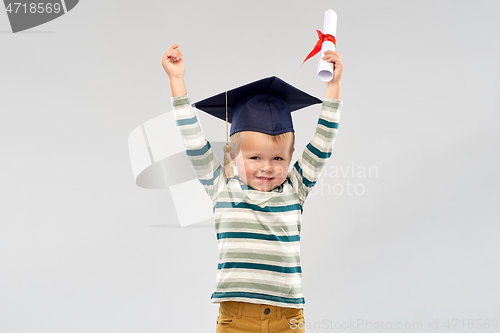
(258, 212)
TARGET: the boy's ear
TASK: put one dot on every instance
(233, 156)
(235, 150)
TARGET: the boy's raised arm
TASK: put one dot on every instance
(198, 149)
(308, 167)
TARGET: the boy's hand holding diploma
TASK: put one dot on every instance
(333, 86)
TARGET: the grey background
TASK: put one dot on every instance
(78, 250)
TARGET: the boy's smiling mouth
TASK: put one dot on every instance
(264, 178)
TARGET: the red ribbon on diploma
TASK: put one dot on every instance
(317, 47)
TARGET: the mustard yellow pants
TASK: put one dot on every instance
(241, 317)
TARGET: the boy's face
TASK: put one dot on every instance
(263, 163)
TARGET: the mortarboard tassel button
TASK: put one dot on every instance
(228, 162)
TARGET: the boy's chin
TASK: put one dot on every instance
(262, 188)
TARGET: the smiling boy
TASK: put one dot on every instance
(263, 161)
(257, 213)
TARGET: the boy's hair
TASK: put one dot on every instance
(237, 137)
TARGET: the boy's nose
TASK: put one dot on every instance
(266, 167)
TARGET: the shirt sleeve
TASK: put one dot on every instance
(307, 169)
(206, 166)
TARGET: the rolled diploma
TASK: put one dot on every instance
(325, 69)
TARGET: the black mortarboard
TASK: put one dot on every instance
(261, 106)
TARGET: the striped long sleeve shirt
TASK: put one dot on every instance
(258, 233)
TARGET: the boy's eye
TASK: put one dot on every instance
(254, 157)
(277, 158)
